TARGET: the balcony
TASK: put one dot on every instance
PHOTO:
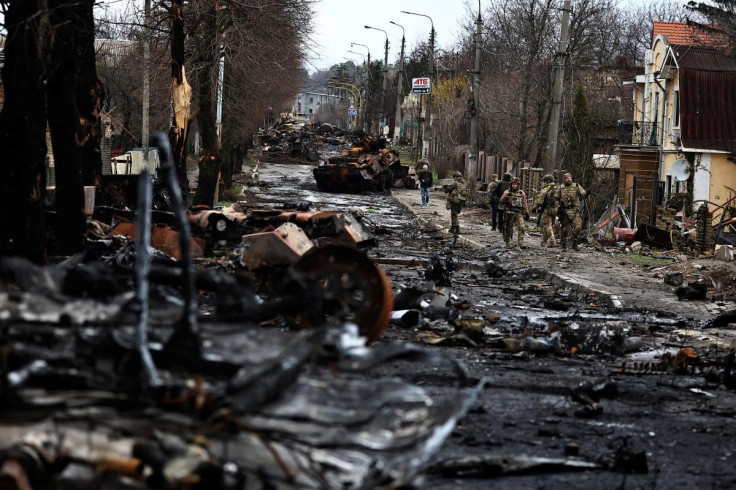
(637, 133)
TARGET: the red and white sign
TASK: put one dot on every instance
(420, 85)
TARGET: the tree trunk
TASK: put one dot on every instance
(209, 164)
(64, 120)
(90, 94)
(23, 136)
(182, 98)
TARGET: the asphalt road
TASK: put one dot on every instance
(663, 426)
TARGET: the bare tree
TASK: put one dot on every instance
(717, 16)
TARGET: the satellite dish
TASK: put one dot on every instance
(680, 170)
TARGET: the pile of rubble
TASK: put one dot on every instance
(112, 375)
(296, 139)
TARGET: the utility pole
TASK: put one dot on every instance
(428, 121)
(554, 119)
(473, 160)
(146, 84)
(383, 119)
(399, 84)
(427, 138)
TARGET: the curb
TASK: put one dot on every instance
(576, 285)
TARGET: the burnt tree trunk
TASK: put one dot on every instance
(207, 54)
(64, 69)
(90, 94)
(182, 98)
(23, 135)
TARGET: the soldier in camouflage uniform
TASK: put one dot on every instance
(456, 194)
(547, 204)
(514, 201)
(569, 195)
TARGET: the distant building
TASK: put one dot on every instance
(309, 104)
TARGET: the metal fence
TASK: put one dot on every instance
(638, 133)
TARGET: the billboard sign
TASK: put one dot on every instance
(420, 85)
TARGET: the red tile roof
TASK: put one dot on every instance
(687, 35)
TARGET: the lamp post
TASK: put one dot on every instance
(366, 87)
(428, 117)
(399, 84)
(367, 49)
(360, 54)
(385, 77)
(473, 160)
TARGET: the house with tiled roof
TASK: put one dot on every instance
(683, 132)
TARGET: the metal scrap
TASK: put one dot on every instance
(368, 167)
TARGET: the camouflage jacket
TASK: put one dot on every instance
(457, 191)
(569, 196)
(515, 201)
(547, 199)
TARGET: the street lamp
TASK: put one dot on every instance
(360, 54)
(366, 86)
(428, 119)
(385, 76)
(400, 85)
(367, 49)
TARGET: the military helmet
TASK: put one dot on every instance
(515, 180)
(457, 174)
(548, 178)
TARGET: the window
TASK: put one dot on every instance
(677, 108)
(311, 100)
(311, 111)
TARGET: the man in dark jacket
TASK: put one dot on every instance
(425, 181)
(502, 187)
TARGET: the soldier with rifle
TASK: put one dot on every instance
(569, 195)
(514, 201)
(457, 193)
(547, 204)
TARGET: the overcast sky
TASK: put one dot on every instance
(338, 23)
(341, 22)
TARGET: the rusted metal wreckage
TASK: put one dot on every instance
(367, 166)
(111, 379)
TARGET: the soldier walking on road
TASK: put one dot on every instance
(569, 195)
(457, 192)
(494, 199)
(425, 181)
(516, 210)
(547, 204)
(498, 191)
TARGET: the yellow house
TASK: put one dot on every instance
(684, 126)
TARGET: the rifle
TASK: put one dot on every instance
(541, 212)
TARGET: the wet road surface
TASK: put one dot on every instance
(664, 427)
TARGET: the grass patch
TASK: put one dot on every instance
(230, 195)
(643, 259)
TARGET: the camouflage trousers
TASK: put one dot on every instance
(514, 220)
(571, 224)
(455, 209)
(548, 234)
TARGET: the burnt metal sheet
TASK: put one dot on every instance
(283, 246)
(654, 236)
(163, 238)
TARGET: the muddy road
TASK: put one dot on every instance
(579, 395)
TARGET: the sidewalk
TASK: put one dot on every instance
(622, 283)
